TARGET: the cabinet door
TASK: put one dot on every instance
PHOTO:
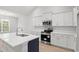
(54, 40)
(59, 40)
(63, 41)
(68, 19)
(75, 13)
(57, 20)
(63, 19)
(71, 43)
(54, 20)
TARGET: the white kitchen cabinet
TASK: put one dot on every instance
(58, 40)
(60, 17)
(37, 20)
(71, 42)
(63, 19)
(57, 20)
(54, 39)
(62, 40)
(75, 13)
(68, 19)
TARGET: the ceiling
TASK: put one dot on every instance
(25, 10)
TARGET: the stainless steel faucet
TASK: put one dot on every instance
(19, 29)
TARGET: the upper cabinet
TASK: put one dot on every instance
(38, 20)
(57, 20)
(63, 19)
(60, 16)
(68, 19)
(75, 13)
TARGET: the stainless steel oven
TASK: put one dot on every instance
(45, 38)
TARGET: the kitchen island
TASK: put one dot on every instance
(10, 42)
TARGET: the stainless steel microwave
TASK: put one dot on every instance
(48, 22)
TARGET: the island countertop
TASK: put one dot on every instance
(13, 40)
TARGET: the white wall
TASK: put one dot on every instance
(13, 24)
(25, 22)
(77, 42)
(22, 21)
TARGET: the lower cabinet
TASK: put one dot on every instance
(65, 41)
(71, 43)
(59, 41)
(33, 45)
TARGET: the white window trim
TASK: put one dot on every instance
(2, 24)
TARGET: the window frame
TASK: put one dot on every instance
(2, 20)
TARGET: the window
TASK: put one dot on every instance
(4, 25)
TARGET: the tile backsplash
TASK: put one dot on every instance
(65, 29)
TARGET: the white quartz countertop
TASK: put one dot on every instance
(14, 40)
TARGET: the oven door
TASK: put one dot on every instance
(45, 38)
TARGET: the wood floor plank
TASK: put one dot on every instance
(48, 48)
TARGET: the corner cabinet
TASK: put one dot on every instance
(63, 19)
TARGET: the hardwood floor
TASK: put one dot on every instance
(49, 48)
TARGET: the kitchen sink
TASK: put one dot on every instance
(22, 35)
